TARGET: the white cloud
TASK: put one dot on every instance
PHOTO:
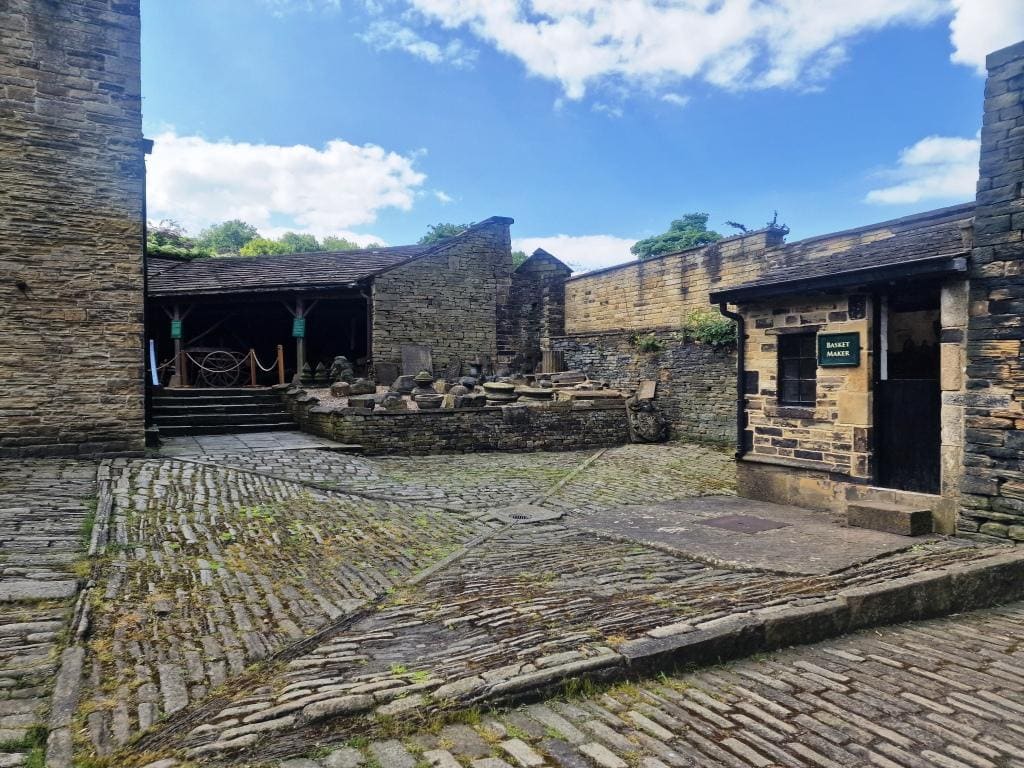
(983, 26)
(321, 191)
(581, 252)
(392, 36)
(282, 7)
(675, 99)
(443, 197)
(936, 167)
(728, 43)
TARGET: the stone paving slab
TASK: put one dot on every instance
(199, 445)
(44, 505)
(714, 529)
(947, 693)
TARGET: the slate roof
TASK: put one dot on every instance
(919, 244)
(262, 274)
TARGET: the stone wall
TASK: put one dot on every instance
(71, 228)
(696, 383)
(834, 434)
(448, 300)
(992, 501)
(660, 292)
(511, 428)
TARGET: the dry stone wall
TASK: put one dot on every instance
(992, 489)
(509, 428)
(449, 300)
(71, 228)
(696, 383)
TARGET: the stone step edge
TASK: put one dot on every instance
(929, 594)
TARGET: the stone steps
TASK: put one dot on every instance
(890, 518)
(181, 412)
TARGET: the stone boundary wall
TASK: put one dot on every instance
(696, 383)
(71, 228)
(992, 488)
(660, 292)
(509, 428)
(449, 300)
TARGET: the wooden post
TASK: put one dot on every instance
(300, 341)
(280, 364)
(179, 376)
(252, 367)
(183, 369)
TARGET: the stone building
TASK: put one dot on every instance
(71, 228)
(446, 306)
(852, 367)
(884, 377)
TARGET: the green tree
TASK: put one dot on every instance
(518, 257)
(336, 243)
(687, 232)
(168, 238)
(438, 232)
(263, 246)
(227, 237)
(295, 242)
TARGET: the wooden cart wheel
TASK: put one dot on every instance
(220, 368)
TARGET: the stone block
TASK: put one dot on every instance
(920, 596)
(951, 367)
(854, 408)
(890, 518)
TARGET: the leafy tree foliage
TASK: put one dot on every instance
(689, 231)
(262, 246)
(228, 237)
(335, 243)
(442, 231)
(518, 257)
(299, 243)
(168, 238)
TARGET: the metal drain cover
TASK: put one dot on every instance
(743, 523)
(524, 514)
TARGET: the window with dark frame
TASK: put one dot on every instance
(798, 369)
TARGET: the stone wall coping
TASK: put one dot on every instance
(436, 413)
(623, 332)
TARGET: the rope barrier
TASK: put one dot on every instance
(272, 367)
(202, 367)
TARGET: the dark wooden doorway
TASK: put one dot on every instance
(908, 398)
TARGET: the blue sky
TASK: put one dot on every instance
(595, 120)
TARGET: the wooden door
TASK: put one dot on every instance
(908, 441)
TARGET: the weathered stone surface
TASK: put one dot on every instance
(995, 377)
(465, 429)
(71, 220)
(881, 697)
(890, 518)
(696, 384)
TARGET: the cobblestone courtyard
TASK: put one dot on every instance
(253, 605)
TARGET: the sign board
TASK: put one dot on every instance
(299, 327)
(838, 349)
(175, 329)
